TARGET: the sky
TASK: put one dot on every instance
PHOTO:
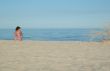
(54, 13)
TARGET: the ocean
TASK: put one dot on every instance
(52, 34)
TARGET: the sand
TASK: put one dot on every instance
(54, 56)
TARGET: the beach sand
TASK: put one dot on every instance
(54, 56)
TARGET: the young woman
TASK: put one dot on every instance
(18, 33)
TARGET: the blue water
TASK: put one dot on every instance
(51, 34)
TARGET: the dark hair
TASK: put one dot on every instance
(17, 28)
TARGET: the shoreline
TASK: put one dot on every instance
(55, 41)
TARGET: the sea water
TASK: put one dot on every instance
(52, 34)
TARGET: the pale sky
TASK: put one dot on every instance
(54, 13)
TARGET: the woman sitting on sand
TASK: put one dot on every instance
(18, 33)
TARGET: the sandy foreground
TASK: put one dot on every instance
(54, 56)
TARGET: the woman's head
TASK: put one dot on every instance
(17, 28)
